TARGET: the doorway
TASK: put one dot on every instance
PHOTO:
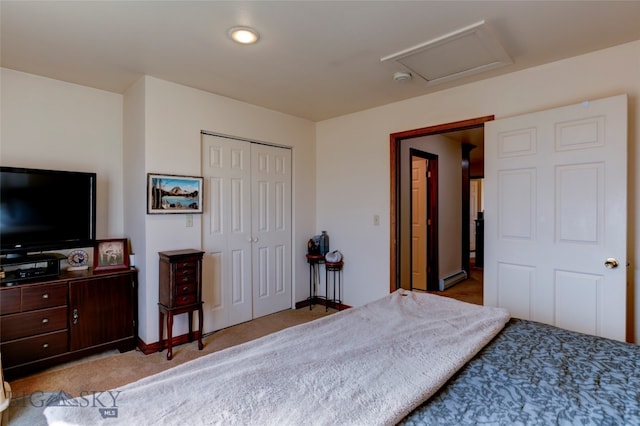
(396, 141)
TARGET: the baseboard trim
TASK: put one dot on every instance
(151, 348)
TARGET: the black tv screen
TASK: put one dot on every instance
(43, 210)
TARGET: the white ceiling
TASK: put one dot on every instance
(315, 59)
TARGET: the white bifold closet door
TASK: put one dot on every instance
(246, 230)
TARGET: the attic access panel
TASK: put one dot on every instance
(470, 50)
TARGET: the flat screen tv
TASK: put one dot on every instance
(46, 210)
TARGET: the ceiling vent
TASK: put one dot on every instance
(470, 50)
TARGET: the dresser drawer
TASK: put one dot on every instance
(185, 273)
(185, 265)
(186, 299)
(185, 279)
(185, 288)
(44, 296)
(31, 323)
(30, 349)
(9, 300)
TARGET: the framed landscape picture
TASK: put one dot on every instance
(168, 194)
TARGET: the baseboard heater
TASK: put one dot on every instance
(452, 279)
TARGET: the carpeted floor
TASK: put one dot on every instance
(113, 369)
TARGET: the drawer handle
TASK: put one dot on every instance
(45, 296)
(185, 298)
(45, 320)
(75, 316)
(185, 288)
(185, 264)
(45, 345)
(185, 279)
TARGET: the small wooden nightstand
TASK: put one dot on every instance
(180, 292)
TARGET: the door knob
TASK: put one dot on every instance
(611, 263)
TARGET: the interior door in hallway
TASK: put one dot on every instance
(474, 202)
(419, 223)
(246, 230)
(556, 211)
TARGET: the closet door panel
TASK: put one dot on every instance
(246, 230)
(226, 232)
(271, 195)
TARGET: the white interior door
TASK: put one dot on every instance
(246, 230)
(419, 223)
(226, 232)
(473, 213)
(556, 189)
(271, 229)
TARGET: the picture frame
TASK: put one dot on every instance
(111, 254)
(174, 194)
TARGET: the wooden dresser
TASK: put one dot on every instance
(180, 291)
(47, 322)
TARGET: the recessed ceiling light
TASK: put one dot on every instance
(244, 35)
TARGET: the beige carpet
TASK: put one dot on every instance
(114, 369)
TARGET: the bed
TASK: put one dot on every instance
(407, 358)
(536, 374)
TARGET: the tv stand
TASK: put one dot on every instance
(51, 321)
(32, 266)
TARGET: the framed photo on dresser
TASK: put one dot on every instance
(111, 254)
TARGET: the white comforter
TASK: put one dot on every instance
(362, 366)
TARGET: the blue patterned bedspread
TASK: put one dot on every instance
(536, 374)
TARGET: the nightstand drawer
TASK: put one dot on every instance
(32, 323)
(44, 296)
(186, 299)
(187, 279)
(22, 351)
(187, 265)
(185, 274)
(185, 288)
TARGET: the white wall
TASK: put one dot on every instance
(174, 116)
(135, 194)
(353, 154)
(50, 124)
